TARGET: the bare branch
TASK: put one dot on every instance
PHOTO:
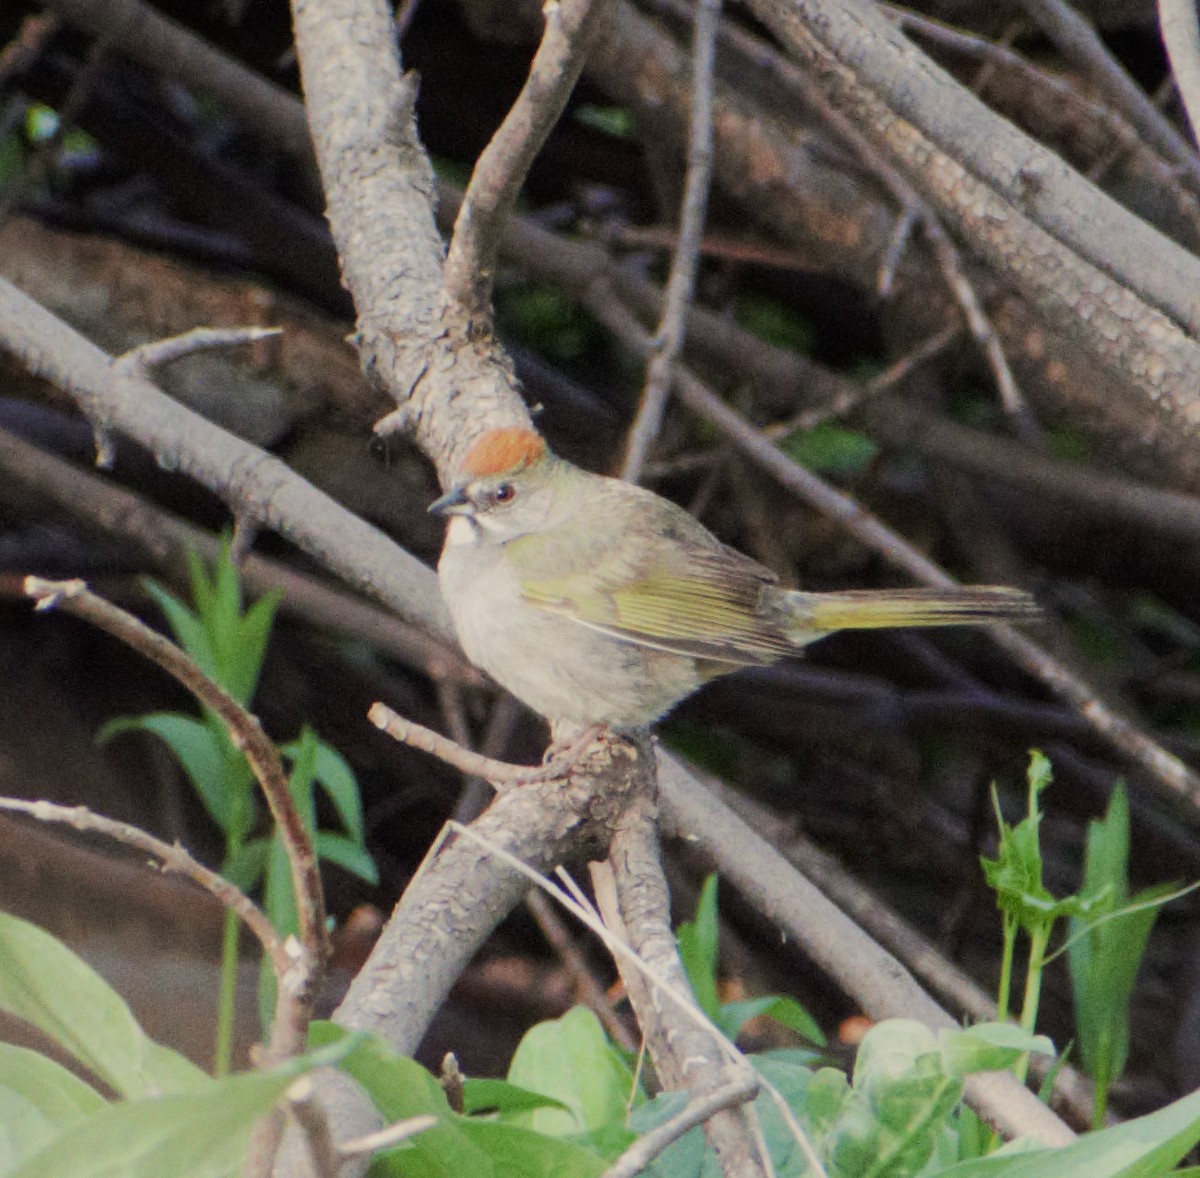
(643, 1151)
(296, 989)
(470, 270)
(500, 773)
(1081, 45)
(632, 894)
(1181, 36)
(303, 1107)
(173, 858)
(144, 357)
(681, 282)
(386, 1138)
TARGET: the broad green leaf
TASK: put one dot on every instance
(516, 1152)
(698, 948)
(571, 1059)
(503, 1097)
(203, 1133)
(988, 1047)
(38, 1100)
(203, 758)
(43, 982)
(348, 854)
(1147, 1147)
(400, 1088)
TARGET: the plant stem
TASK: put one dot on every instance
(223, 1051)
(1009, 925)
(1039, 938)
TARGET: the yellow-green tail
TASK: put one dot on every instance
(821, 613)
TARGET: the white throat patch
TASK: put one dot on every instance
(462, 530)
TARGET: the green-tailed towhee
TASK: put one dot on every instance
(598, 602)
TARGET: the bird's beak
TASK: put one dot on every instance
(454, 502)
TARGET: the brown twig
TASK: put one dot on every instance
(945, 252)
(470, 268)
(304, 1108)
(173, 858)
(501, 774)
(631, 893)
(643, 1151)
(681, 282)
(297, 986)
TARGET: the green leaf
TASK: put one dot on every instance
(348, 854)
(698, 949)
(571, 1059)
(249, 652)
(831, 449)
(786, 1011)
(203, 758)
(43, 982)
(337, 779)
(400, 1088)
(517, 1152)
(201, 1133)
(244, 868)
(988, 1047)
(187, 627)
(504, 1098)
(38, 1099)
(1107, 950)
(1147, 1147)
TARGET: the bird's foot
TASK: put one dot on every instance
(565, 751)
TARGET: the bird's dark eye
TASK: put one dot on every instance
(504, 493)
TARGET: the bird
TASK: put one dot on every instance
(601, 604)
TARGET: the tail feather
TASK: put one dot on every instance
(813, 614)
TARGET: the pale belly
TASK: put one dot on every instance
(562, 669)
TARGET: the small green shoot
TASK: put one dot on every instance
(228, 643)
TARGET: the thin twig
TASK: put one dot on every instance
(1181, 37)
(297, 986)
(470, 269)
(631, 892)
(619, 949)
(306, 1110)
(643, 1151)
(385, 1138)
(591, 992)
(501, 774)
(681, 283)
(148, 356)
(945, 252)
(853, 396)
(173, 858)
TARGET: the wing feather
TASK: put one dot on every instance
(701, 601)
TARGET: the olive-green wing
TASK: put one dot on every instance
(704, 602)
